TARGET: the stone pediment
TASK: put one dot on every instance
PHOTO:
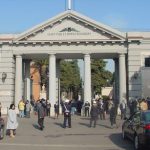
(71, 26)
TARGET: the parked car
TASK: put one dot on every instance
(137, 129)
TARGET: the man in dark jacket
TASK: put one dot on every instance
(41, 113)
(87, 108)
(113, 114)
(67, 113)
(94, 114)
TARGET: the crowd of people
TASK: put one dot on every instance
(98, 109)
(42, 108)
(139, 104)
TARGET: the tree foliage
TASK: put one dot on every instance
(70, 76)
(100, 76)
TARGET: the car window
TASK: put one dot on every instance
(134, 115)
(147, 116)
(131, 117)
(143, 117)
(136, 118)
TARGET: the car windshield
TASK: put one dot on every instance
(147, 116)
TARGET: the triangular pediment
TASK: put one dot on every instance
(71, 25)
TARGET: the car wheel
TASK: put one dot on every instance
(137, 145)
(123, 134)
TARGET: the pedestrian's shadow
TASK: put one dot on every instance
(58, 124)
(85, 118)
(36, 126)
(84, 124)
(106, 126)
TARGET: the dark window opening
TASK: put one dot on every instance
(147, 62)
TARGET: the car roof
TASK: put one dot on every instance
(143, 111)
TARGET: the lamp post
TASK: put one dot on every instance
(4, 76)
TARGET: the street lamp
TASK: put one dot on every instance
(4, 76)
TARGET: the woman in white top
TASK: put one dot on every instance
(12, 123)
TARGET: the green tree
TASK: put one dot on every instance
(99, 75)
(70, 77)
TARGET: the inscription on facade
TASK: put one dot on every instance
(70, 34)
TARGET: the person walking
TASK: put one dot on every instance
(12, 122)
(67, 114)
(41, 113)
(0, 109)
(94, 114)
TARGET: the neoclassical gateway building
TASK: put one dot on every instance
(71, 35)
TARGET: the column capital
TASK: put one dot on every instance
(50, 54)
(87, 54)
(121, 54)
(18, 56)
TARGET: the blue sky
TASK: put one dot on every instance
(17, 16)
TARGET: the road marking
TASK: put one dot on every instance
(64, 146)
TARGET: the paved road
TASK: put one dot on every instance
(79, 137)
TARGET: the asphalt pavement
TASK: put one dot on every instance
(55, 137)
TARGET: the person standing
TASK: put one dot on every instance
(143, 105)
(56, 109)
(94, 114)
(21, 107)
(28, 109)
(123, 107)
(12, 122)
(67, 113)
(48, 107)
(113, 114)
(41, 114)
(87, 109)
(101, 109)
(0, 109)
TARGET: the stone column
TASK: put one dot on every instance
(87, 78)
(52, 81)
(122, 77)
(18, 80)
(58, 97)
(116, 86)
(27, 80)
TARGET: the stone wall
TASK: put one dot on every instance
(7, 65)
